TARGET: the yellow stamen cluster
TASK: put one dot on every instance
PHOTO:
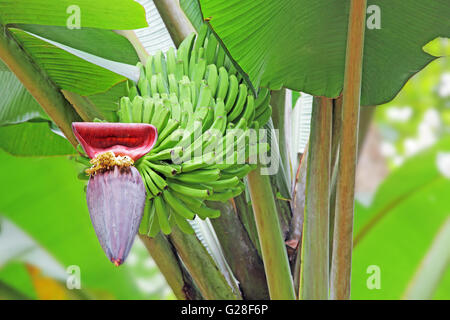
(106, 161)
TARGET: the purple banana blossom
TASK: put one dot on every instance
(115, 193)
(116, 201)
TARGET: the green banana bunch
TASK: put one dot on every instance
(204, 113)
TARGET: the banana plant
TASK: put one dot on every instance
(164, 135)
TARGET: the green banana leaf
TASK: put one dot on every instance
(33, 139)
(192, 10)
(66, 70)
(103, 14)
(46, 200)
(16, 276)
(99, 42)
(300, 44)
(396, 231)
(16, 104)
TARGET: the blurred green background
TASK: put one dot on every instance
(403, 192)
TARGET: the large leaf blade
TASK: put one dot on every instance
(99, 42)
(396, 231)
(105, 14)
(16, 104)
(301, 44)
(68, 71)
(33, 139)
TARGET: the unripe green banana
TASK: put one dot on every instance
(149, 71)
(161, 83)
(173, 85)
(225, 196)
(157, 179)
(211, 49)
(204, 212)
(239, 106)
(249, 111)
(153, 222)
(165, 169)
(198, 163)
(232, 93)
(202, 33)
(148, 108)
(154, 84)
(199, 72)
(187, 190)
(171, 126)
(151, 187)
(224, 82)
(159, 62)
(137, 107)
(178, 206)
(144, 227)
(263, 98)
(163, 215)
(264, 117)
(182, 223)
(221, 55)
(223, 184)
(189, 200)
(166, 154)
(171, 61)
(125, 110)
(161, 117)
(199, 176)
(131, 90)
(212, 78)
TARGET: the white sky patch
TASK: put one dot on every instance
(444, 86)
(443, 163)
(398, 160)
(132, 259)
(151, 285)
(387, 149)
(149, 263)
(427, 133)
(399, 114)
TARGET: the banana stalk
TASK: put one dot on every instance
(314, 279)
(207, 276)
(175, 20)
(171, 267)
(244, 211)
(345, 183)
(274, 254)
(243, 258)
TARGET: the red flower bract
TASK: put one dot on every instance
(124, 139)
